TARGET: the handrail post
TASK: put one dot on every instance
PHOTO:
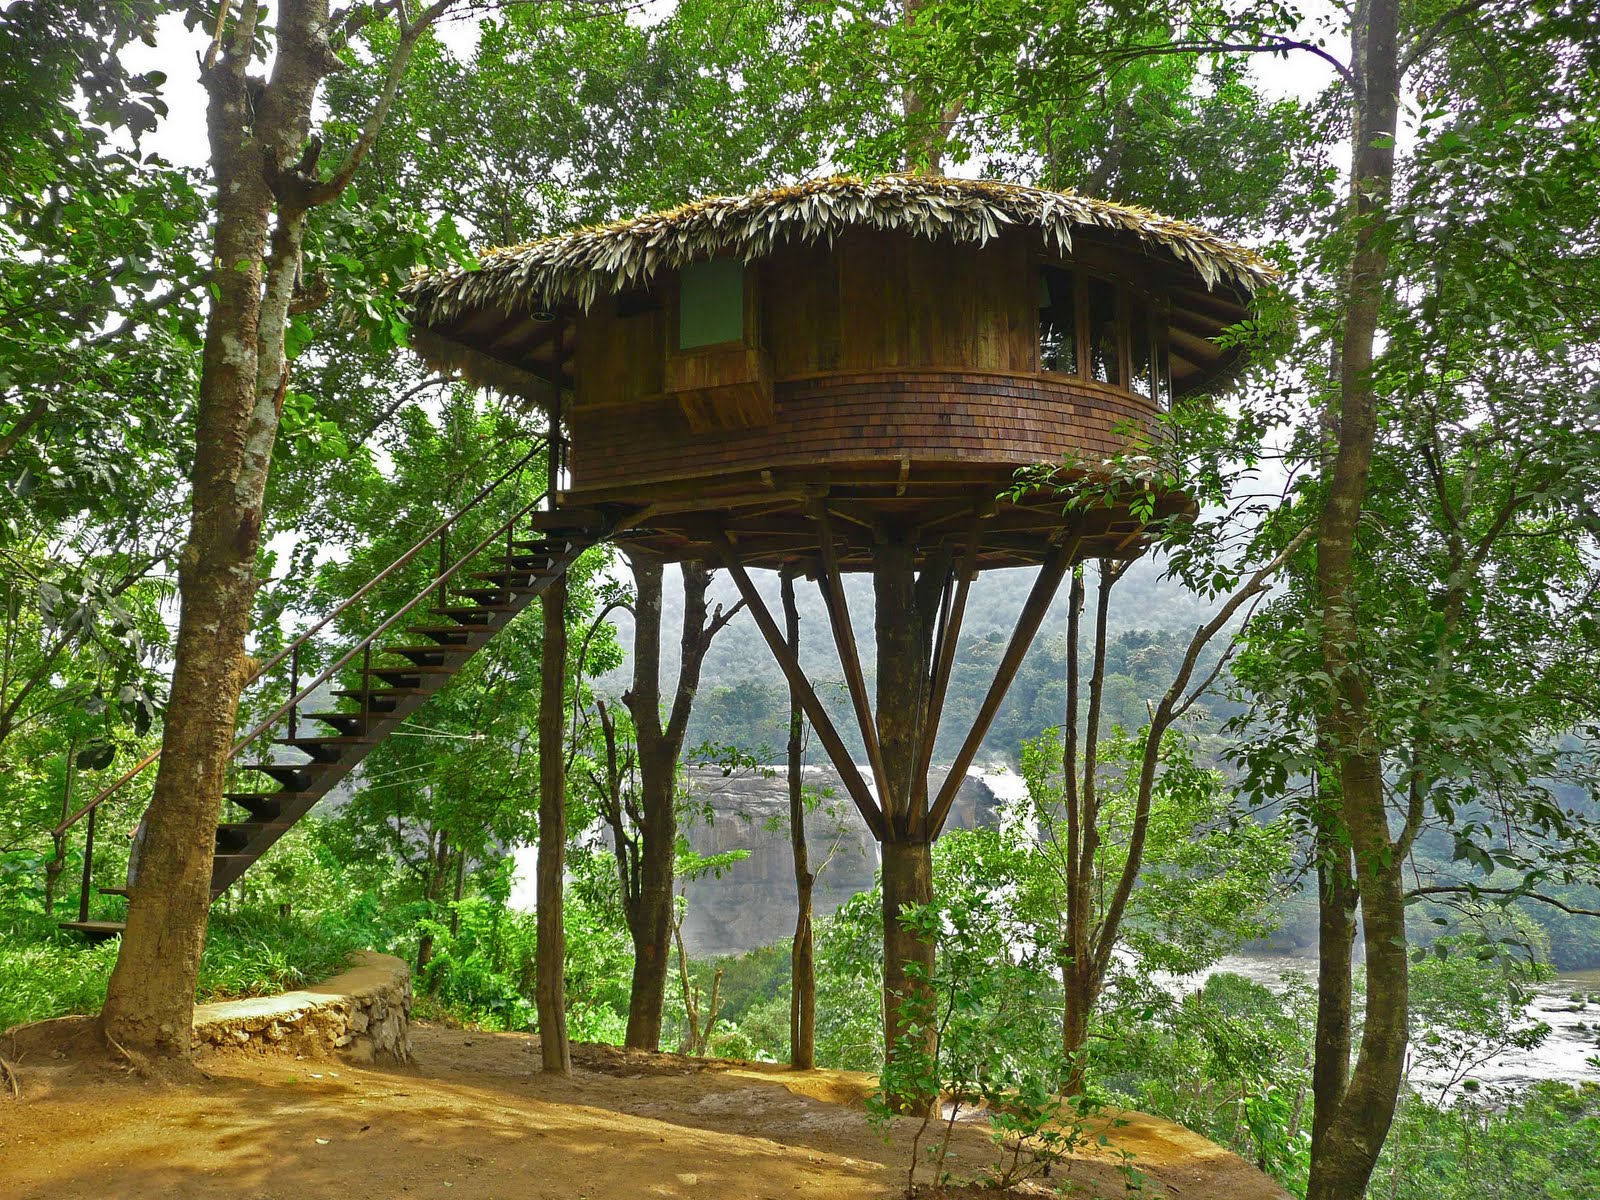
(294, 691)
(88, 868)
(444, 562)
(366, 685)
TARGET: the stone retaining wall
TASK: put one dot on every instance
(363, 1012)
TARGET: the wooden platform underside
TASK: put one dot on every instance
(771, 518)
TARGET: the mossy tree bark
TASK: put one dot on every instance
(903, 658)
(1352, 1136)
(551, 952)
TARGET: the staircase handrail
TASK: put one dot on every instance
(349, 655)
(139, 767)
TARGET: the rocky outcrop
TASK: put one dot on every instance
(364, 1012)
(752, 903)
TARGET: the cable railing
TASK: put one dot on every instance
(288, 710)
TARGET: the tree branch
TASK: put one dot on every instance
(410, 33)
(1473, 891)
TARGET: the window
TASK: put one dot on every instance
(1163, 372)
(1105, 355)
(1058, 321)
(1104, 330)
(711, 303)
(1140, 358)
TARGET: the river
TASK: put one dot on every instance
(1574, 1024)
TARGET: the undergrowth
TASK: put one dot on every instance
(47, 972)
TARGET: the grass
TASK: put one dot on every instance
(45, 972)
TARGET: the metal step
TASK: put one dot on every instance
(322, 749)
(475, 615)
(395, 676)
(379, 700)
(294, 777)
(349, 724)
(264, 806)
(428, 656)
(451, 635)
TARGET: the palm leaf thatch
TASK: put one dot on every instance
(575, 268)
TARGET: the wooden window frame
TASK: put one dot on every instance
(749, 299)
(1158, 315)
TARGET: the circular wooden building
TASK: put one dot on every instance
(894, 348)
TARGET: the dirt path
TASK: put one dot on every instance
(475, 1119)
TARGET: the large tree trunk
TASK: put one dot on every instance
(908, 957)
(802, 957)
(1354, 1135)
(264, 167)
(550, 989)
(150, 1000)
(1336, 936)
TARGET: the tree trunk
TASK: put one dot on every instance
(802, 963)
(438, 860)
(651, 915)
(551, 951)
(1355, 1133)
(1336, 936)
(651, 923)
(150, 999)
(908, 958)
(264, 167)
(255, 141)
(58, 863)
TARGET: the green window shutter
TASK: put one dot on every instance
(711, 303)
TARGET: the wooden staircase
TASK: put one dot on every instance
(392, 679)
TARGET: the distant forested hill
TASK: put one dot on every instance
(744, 701)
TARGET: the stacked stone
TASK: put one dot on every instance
(364, 1013)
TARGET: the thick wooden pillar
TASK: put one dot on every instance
(908, 958)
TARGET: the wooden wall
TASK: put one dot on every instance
(883, 348)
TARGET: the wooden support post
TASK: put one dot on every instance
(88, 868)
(1028, 621)
(844, 637)
(820, 721)
(551, 952)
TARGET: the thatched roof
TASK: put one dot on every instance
(574, 268)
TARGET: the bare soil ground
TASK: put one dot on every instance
(475, 1119)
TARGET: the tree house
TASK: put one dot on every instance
(844, 376)
(898, 347)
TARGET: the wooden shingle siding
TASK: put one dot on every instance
(867, 417)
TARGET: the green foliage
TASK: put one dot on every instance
(1469, 1005)
(1538, 1144)
(249, 952)
(972, 1041)
(1230, 1060)
(1209, 871)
